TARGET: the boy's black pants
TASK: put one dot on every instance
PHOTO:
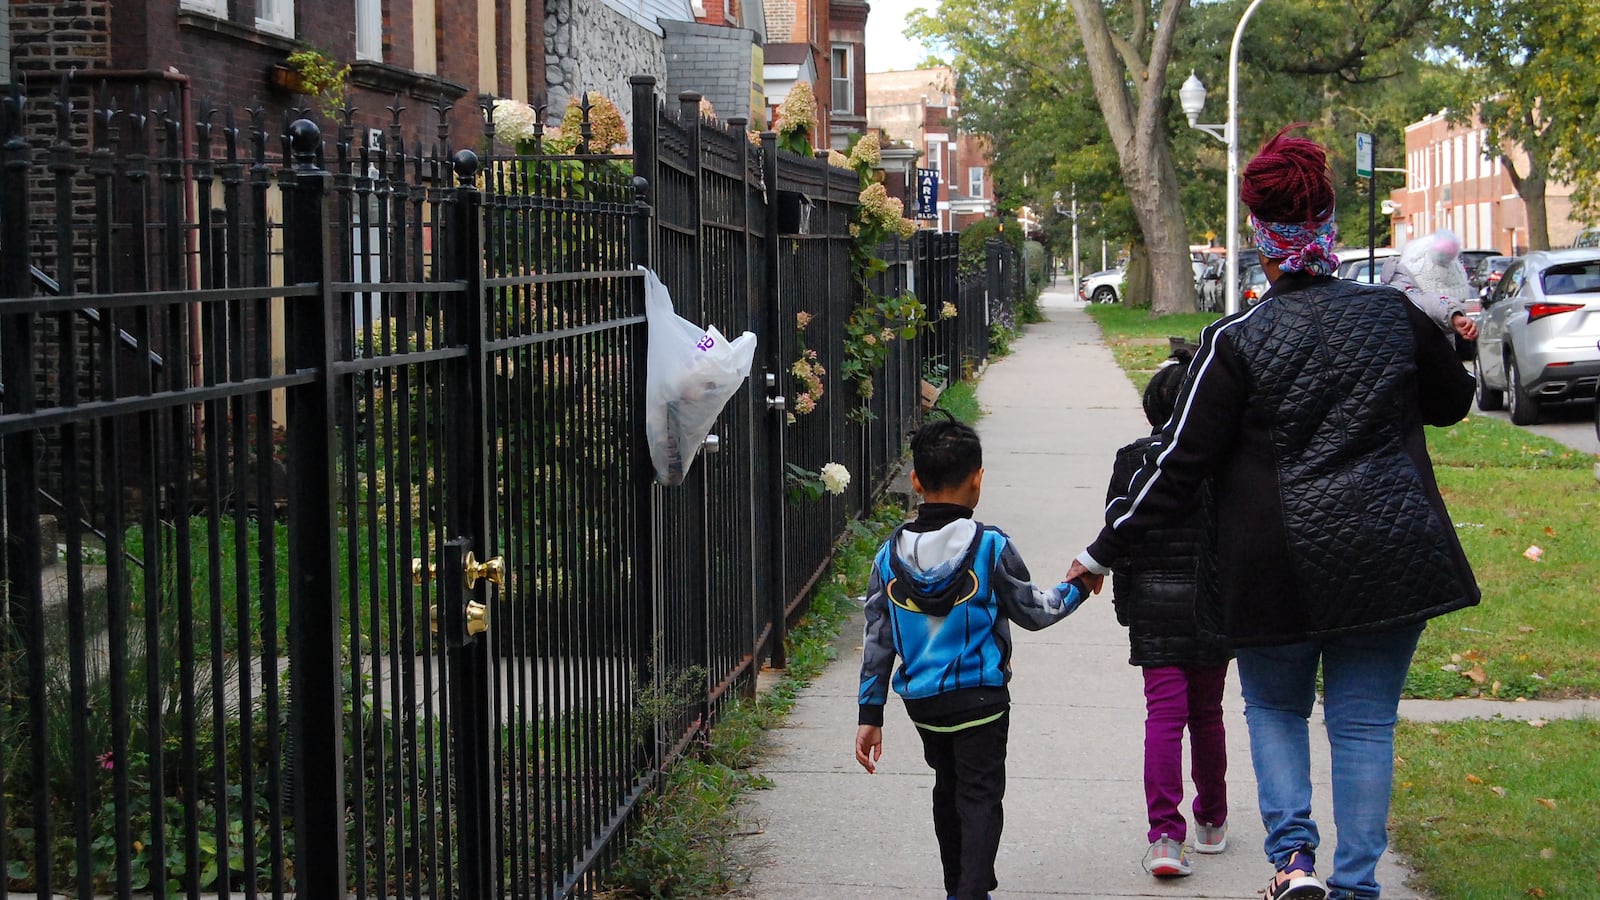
(969, 783)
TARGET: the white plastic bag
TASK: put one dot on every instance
(691, 373)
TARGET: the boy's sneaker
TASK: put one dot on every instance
(1210, 838)
(1167, 858)
(1297, 880)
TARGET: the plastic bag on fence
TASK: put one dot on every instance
(690, 375)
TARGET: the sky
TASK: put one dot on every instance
(888, 48)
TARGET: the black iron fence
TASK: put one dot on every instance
(334, 563)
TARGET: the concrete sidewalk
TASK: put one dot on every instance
(1057, 410)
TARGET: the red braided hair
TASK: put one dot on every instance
(1288, 181)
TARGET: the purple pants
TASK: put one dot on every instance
(1177, 697)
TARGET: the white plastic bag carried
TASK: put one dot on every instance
(691, 373)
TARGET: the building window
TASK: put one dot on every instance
(975, 181)
(218, 8)
(275, 16)
(844, 95)
(369, 30)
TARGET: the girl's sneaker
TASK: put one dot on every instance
(1297, 880)
(1167, 858)
(1210, 838)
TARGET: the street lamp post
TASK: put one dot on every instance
(1192, 96)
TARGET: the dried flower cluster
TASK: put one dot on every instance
(868, 151)
(607, 129)
(885, 212)
(838, 160)
(808, 371)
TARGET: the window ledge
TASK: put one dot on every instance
(385, 78)
(199, 21)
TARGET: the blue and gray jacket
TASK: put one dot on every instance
(941, 596)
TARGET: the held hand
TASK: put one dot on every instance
(1465, 327)
(1078, 572)
(869, 747)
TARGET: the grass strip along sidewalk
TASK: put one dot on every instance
(1492, 808)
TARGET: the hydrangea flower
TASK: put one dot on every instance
(515, 122)
(947, 311)
(867, 152)
(798, 111)
(835, 478)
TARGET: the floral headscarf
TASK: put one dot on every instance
(1299, 248)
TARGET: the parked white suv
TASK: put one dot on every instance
(1101, 287)
(1538, 332)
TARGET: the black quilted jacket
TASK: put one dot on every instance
(1307, 411)
(1154, 591)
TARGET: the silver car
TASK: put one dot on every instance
(1538, 332)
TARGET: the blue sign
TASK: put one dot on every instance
(927, 194)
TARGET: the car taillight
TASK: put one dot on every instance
(1249, 293)
(1537, 311)
(1495, 276)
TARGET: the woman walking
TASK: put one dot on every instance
(1333, 544)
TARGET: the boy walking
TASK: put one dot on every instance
(941, 595)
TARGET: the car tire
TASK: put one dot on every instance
(1489, 399)
(1104, 294)
(1524, 409)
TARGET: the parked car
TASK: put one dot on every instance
(1472, 259)
(1488, 271)
(1589, 237)
(1252, 285)
(1353, 263)
(1537, 336)
(1104, 286)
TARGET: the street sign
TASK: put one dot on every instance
(1363, 155)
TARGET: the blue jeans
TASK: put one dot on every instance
(1362, 676)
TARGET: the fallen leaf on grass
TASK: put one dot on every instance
(1549, 532)
(1547, 802)
(1473, 779)
(1477, 675)
(1498, 791)
(1526, 629)
(1495, 688)
(1547, 853)
(1534, 892)
(1538, 723)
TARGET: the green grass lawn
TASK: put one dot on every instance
(1537, 632)
(1498, 808)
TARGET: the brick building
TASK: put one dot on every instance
(823, 42)
(918, 108)
(1453, 180)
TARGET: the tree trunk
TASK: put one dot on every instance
(1138, 285)
(1143, 147)
(1532, 192)
(1531, 188)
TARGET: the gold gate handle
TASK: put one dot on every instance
(492, 569)
(419, 571)
(477, 618)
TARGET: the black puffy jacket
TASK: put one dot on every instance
(1155, 584)
(1307, 412)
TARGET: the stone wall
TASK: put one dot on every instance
(589, 46)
